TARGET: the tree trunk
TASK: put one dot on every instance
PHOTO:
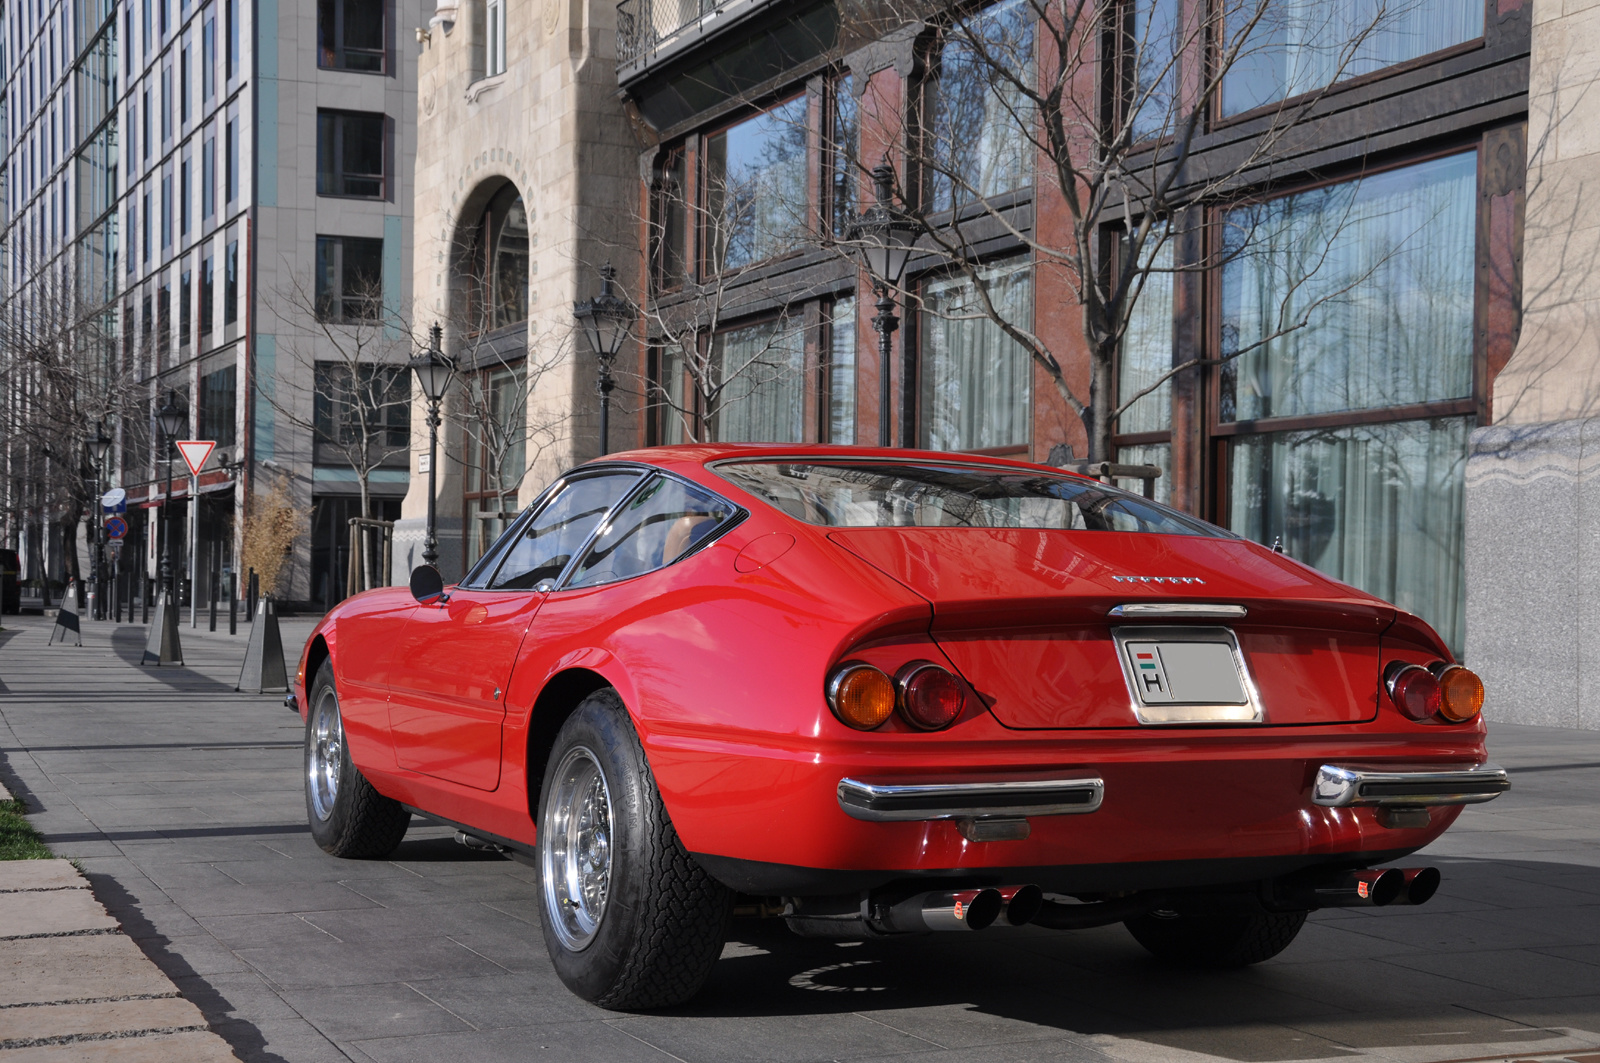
(1098, 420)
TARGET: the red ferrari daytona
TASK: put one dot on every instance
(877, 692)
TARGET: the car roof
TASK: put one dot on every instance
(682, 458)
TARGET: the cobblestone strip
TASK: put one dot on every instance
(74, 987)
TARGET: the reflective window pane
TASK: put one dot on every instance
(660, 524)
(756, 202)
(1146, 351)
(1381, 273)
(762, 373)
(976, 146)
(548, 542)
(1377, 506)
(976, 380)
(1300, 46)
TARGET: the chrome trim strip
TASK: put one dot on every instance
(1340, 787)
(904, 802)
(1186, 610)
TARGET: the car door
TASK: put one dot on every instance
(447, 701)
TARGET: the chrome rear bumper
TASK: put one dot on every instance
(1340, 787)
(878, 802)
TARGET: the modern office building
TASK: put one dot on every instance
(226, 183)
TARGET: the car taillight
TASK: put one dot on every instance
(1413, 689)
(861, 695)
(930, 697)
(1460, 693)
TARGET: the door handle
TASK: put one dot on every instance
(497, 693)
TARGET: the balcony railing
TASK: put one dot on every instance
(646, 27)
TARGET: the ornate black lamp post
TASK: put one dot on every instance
(434, 373)
(605, 321)
(173, 420)
(884, 235)
(99, 445)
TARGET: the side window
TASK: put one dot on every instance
(549, 540)
(661, 523)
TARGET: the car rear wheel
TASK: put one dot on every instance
(348, 817)
(1216, 939)
(630, 920)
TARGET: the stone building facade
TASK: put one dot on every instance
(1533, 477)
(525, 165)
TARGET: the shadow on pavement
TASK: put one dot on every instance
(128, 644)
(1378, 990)
(243, 1037)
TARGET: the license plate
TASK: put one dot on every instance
(1186, 675)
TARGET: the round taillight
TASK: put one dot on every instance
(930, 697)
(1413, 689)
(1460, 694)
(861, 695)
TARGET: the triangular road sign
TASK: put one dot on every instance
(195, 452)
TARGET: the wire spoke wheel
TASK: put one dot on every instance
(325, 754)
(576, 844)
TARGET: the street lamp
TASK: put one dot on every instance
(605, 321)
(99, 446)
(434, 372)
(172, 420)
(883, 235)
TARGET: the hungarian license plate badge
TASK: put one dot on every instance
(1187, 676)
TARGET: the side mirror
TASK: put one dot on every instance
(426, 584)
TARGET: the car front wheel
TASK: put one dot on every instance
(348, 817)
(1216, 939)
(630, 920)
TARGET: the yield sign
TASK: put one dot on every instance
(195, 452)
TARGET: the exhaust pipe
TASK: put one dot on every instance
(1022, 903)
(943, 910)
(1369, 888)
(1421, 884)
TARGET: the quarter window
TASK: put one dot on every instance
(662, 523)
(546, 544)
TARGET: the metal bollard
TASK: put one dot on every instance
(146, 598)
(233, 603)
(214, 590)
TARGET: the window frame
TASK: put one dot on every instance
(343, 316)
(335, 171)
(332, 56)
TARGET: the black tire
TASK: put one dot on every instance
(1216, 939)
(350, 819)
(658, 927)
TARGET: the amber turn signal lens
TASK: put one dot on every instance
(1460, 694)
(861, 696)
(1414, 690)
(930, 697)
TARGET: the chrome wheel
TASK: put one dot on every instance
(575, 845)
(324, 754)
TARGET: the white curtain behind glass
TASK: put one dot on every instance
(1377, 506)
(1301, 46)
(1157, 454)
(1385, 267)
(976, 146)
(1147, 351)
(842, 373)
(764, 400)
(976, 379)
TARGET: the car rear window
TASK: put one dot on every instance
(935, 495)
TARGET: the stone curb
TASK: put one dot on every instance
(74, 987)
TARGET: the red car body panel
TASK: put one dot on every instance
(722, 660)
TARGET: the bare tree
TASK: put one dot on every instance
(354, 349)
(712, 381)
(1104, 106)
(61, 382)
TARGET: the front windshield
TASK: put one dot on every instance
(935, 495)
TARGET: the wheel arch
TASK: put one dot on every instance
(317, 651)
(560, 697)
